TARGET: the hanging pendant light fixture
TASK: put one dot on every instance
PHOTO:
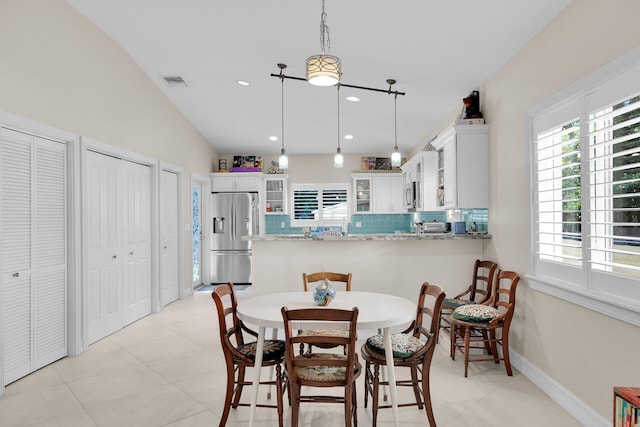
(338, 159)
(283, 160)
(323, 69)
(396, 158)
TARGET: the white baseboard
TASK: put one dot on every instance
(582, 412)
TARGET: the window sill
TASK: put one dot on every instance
(593, 300)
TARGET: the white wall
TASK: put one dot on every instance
(58, 69)
(587, 353)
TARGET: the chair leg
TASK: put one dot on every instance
(348, 405)
(426, 393)
(452, 340)
(295, 403)
(367, 379)
(236, 399)
(494, 345)
(488, 345)
(467, 338)
(354, 406)
(505, 352)
(228, 395)
(279, 394)
(376, 394)
(415, 384)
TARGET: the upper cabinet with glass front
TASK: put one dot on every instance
(378, 193)
(463, 167)
(275, 194)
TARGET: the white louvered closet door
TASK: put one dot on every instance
(34, 258)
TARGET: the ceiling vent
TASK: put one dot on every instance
(173, 81)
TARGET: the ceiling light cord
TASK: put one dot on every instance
(396, 158)
(338, 158)
(283, 160)
(325, 40)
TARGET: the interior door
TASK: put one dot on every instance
(104, 265)
(137, 240)
(196, 234)
(33, 220)
(169, 263)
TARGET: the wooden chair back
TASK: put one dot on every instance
(329, 318)
(482, 283)
(427, 323)
(504, 294)
(332, 277)
(231, 328)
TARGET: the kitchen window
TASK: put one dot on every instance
(319, 205)
(585, 177)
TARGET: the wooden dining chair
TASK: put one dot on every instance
(322, 370)
(412, 349)
(486, 326)
(308, 280)
(311, 278)
(478, 292)
(240, 355)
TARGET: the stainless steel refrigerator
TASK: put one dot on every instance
(234, 215)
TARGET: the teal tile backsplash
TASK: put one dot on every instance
(384, 223)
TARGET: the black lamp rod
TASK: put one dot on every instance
(389, 91)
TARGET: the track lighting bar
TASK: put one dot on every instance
(281, 75)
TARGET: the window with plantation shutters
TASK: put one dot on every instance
(585, 180)
(319, 204)
(614, 192)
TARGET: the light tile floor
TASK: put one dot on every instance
(167, 370)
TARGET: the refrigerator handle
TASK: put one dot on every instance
(233, 222)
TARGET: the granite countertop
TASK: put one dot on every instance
(359, 237)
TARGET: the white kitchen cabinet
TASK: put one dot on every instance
(378, 193)
(422, 170)
(275, 193)
(463, 167)
(235, 181)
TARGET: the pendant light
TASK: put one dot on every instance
(283, 160)
(396, 158)
(323, 69)
(338, 159)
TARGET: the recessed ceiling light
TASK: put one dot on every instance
(243, 83)
(273, 138)
(352, 98)
(348, 137)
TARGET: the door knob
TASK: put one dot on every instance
(114, 256)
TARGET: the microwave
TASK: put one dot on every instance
(410, 195)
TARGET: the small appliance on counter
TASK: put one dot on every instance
(430, 227)
(458, 227)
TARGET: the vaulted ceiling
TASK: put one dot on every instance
(437, 51)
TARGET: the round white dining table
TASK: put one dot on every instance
(377, 311)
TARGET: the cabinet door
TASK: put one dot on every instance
(275, 195)
(450, 181)
(396, 203)
(222, 182)
(247, 183)
(386, 193)
(362, 189)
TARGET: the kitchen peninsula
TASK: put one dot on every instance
(396, 264)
